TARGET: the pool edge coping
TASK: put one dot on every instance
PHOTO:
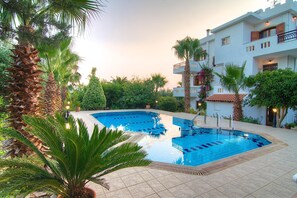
(211, 167)
(225, 163)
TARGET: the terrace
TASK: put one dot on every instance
(278, 44)
(267, 173)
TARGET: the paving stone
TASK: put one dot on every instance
(141, 190)
(182, 191)
(132, 179)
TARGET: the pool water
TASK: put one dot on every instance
(174, 140)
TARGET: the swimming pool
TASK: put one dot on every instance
(174, 140)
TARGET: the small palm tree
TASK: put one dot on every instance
(234, 80)
(187, 49)
(76, 158)
(60, 64)
(159, 81)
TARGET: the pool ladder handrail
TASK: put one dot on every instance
(198, 113)
(218, 123)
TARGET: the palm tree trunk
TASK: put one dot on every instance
(187, 86)
(25, 89)
(50, 95)
(237, 108)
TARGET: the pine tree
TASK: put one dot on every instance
(94, 97)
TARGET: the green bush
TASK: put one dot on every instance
(250, 120)
(192, 111)
(168, 103)
(113, 92)
(77, 96)
(180, 104)
(137, 93)
(94, 97)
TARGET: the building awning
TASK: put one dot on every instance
(224, 97)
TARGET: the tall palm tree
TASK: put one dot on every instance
(186, 49)
(159, 81)
(234, 80)
(29, 18)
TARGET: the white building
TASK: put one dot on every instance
(266, 40)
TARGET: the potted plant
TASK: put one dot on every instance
(73, 158)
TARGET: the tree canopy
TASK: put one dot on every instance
(274, 89)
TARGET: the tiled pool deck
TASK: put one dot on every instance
(266, 173)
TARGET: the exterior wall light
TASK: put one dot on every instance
(67, 125)
(274, 116)
(267, 23)
(199, 104)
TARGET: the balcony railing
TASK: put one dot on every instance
(286, 36)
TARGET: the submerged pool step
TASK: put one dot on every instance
(202, 146)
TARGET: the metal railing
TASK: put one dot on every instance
(290, 35)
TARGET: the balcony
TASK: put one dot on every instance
(287, 36)
(283, 43)
(179, 68)
(180, 91)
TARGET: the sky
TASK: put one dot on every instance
(134, 38)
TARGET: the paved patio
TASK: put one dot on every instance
(268, 175)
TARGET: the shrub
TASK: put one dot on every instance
(250, 120)
(74, 158)
(137, 94)
(94, 97)
(180, 104)
(192, 111)
(168, 103)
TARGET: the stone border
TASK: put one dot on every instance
(222, 164)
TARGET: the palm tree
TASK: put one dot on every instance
(67, 72)
(60, 63)
(159, 81)
(187, 49)
(234, 80)
(76, 158)
(30, 20)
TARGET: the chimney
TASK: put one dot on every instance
(207, 32)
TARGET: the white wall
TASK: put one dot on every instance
(255, 112)
(222, 108)
(291, 117)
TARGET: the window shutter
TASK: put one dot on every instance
(255, 35)
(280, 28)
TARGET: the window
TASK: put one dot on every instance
(198, 80)
(270, 67)
(267, 32)
(226, 40)
(220, 90)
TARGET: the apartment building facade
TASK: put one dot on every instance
(265, 40)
